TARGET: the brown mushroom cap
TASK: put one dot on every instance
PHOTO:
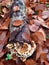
(17, 23)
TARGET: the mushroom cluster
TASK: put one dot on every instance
(22, 50)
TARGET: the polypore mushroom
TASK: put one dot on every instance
(17, 23)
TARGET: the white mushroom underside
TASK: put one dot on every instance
(23, 56)
(28, 53)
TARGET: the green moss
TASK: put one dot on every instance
(9, 57)
(47, 5)
(36, 12)
(47, 37)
